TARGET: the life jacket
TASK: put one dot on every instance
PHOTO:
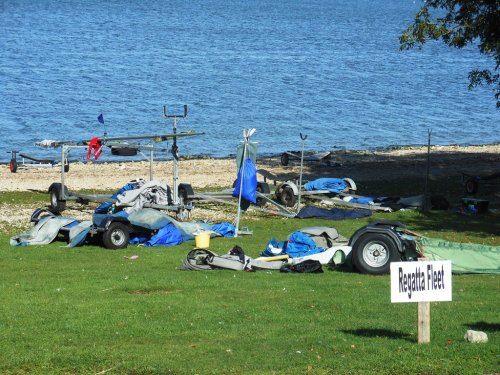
(95, 146)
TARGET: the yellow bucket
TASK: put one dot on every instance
(202, 240)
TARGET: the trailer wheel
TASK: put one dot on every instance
(471, 186)
(13, 165)
(263, 188)
(284, 159)
(39, 214)
(116, 237)
(56, 204)
(373, 253)
(287, 197)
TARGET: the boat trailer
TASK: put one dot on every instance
(181, 205)
(28, 161)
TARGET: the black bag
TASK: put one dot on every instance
(307, 266)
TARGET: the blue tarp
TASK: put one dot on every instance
(225, 229)
(334, 185)
(169, 235)
(154, 219)
(362, 200)
(274, 248)
(106, 206)
(298, 244)
(249, 188)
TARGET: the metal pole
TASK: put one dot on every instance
(246, 136)
(242, 169)
(63, 154)
(151, 164)
(175, 149)
(303, 137)
(176, 163)
(426, 203)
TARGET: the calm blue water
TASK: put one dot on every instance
(329, 69)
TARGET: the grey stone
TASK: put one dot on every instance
(475, 336)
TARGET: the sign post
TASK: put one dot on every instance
(422, 282)
(424, 322)
(424, 308)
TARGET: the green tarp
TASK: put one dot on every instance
(251, 153)
(465, 258)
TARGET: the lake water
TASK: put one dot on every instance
(331, 70)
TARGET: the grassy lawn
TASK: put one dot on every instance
(88, 310)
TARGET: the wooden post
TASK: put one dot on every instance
(424, 322)
(424, 319)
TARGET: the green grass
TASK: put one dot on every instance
(89, 310)
(85, 310)
(28, 197)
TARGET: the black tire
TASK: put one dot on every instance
(13, 165)
(372, 253)
(287, 197)
(284, 159)
(116, 237)
(39, 214)
(471, 186)
(56, 204)
(263, 188)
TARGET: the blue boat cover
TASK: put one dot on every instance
(334, 185)
(298, 244)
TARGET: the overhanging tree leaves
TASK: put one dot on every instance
(460, 22)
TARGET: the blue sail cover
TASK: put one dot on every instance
(249, 188)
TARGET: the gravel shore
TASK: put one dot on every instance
(212, 173)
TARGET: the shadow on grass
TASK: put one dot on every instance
(484, 326)
(482, 224)
(379, 332)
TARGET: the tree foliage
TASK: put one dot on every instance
(457, 24)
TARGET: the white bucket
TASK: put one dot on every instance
(202, 240)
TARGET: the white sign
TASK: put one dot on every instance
(425, 281)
